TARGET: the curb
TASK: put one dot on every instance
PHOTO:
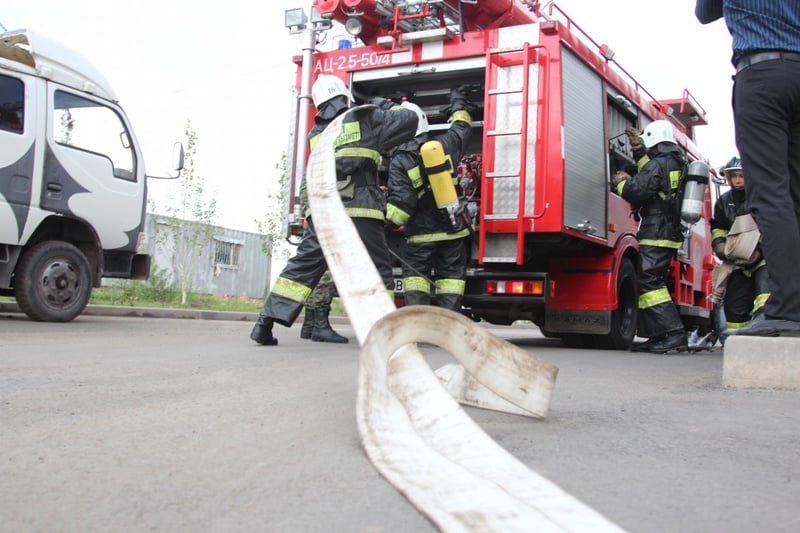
(159, 312)
(149, 312)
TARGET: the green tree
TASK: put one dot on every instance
(186, 226)
(271, 227)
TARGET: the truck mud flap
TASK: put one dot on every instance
(126, 265)
(593, 322)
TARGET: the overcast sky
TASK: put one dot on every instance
(226, 67)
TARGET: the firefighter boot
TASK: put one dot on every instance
(262, 331)
(673, 341)
(308, 324)
(322, 328)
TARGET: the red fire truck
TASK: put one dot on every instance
(552, 244)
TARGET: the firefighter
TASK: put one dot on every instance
(652, 191)
(369, 131)
(436, 238)
(316, 322)
(743, 281)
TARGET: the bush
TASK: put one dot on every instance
(159, 288)
(155, 291)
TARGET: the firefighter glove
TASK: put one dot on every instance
(459, 99)
(618, 177)
(634, 138)
(382, 103)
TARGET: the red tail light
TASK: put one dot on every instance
(515, 287)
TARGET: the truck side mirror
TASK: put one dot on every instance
(178, 156)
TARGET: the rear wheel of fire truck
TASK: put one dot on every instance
(623, 319)
(53, 282)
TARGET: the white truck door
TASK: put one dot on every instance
(92, 170)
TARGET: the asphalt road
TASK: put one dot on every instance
(145, 424)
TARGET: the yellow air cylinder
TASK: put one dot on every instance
(444, 191)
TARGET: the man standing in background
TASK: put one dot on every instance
(766, 112)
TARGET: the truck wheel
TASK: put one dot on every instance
(623, 319)
(53, 282)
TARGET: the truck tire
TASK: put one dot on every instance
(623, 318)
(53, 282)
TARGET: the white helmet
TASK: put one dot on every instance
(327, 87)
(422, 124)
(658, 131)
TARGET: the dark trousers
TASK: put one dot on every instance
(303, 271)
(656, 319)
(766, 107)
(448, 261)
(743, 288)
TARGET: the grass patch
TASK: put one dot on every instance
(119, 296)
(124, 296)
(157, 292)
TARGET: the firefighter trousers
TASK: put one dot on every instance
(303, 272)
(448, 262)
(657, 312)
(746, 294)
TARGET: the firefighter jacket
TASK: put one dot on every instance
(653, 193)
(729, 206)
(410, 200)
(368, 132)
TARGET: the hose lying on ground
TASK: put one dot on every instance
(414, 432)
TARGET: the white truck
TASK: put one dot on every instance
(72, 180)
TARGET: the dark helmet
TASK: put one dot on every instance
(734, 164)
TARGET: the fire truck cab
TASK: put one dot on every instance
(553, 245)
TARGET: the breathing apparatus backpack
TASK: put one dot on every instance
(691, 193)
(440, 177)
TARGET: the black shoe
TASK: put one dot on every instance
(328, 335)
(675, 341)
(262, 332)
(323, 332)
(768, 327)
(644, 346)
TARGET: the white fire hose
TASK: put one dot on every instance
(413, 430)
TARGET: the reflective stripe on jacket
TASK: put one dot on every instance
(652, 191)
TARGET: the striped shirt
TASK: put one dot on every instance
(756, 25)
